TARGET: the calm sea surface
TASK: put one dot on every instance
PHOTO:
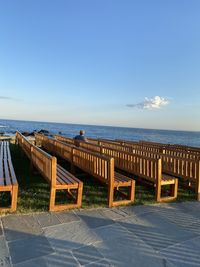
(162, 136)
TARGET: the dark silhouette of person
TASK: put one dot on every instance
(80, 138)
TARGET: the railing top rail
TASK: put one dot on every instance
(36, 148)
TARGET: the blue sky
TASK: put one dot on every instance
(103, 62)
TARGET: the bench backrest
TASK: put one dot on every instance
(181, 167)
(93, 141)
(146, 167)
(24, 144)
(176, 166)
(142, 165)
(92, 147)
(57, 147)
(97, 165)
(45, 163)
(184, 147)
(181, 153)
(173, 165)
(64, 139)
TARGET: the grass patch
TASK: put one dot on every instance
(34, 190)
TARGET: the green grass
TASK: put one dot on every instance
(34, 190)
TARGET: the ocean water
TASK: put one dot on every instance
(162, 136)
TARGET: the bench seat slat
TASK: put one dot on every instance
(121, 177)
(7, 173)
(1, 164)
(8, 181)
(5, 164)
(65, 176)
(12, 172)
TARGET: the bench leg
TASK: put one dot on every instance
(131, 191)
(174, 189)
(14, 195)
(52, 199)
(110, 195)
(79, 195)
(158, 192)
(197, 189)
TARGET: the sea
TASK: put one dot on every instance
(189, 138)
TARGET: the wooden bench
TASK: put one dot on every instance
(8, 181)
(177, 160)
(99, 166)
(55, 175)
(180, 164)
(146, 165)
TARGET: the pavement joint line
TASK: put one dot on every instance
(45, 227)
(88, 265)
(6, 243)
(70, 251)
(96, 249)
(29, 260)
(179, 243)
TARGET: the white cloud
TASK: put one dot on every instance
(155, 102)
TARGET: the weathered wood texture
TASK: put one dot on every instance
(147, 166)
(55, 175)
(179, 161)
(8, 181)
(99, 166)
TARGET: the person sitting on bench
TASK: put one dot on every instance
(80, 138)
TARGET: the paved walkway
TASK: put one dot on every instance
(155, 235)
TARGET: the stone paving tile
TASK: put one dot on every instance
(94, 218)
(130, 251)
(53, 260)
(47, 219)
(101, 263)
(87, 254)
(186, 254)
(110, 232)
(67, 216)
(4, 255)
(177, 213)
(156, 231)
(139, 209)
(70, 236)
(30, 248)
(192, 208)
(114, 213)
(20, 227)
(178, 216)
